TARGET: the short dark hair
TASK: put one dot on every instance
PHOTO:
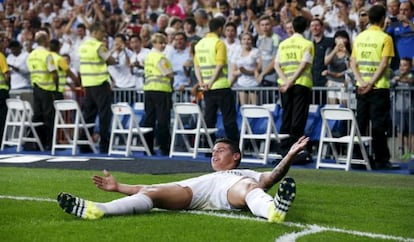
(135, 36)
(234, 147)
(376, 13)
(215, 24)
(190, 21)
(121, 36)
(181, 33)
(54, 45)
(300, 24)
(14, 44)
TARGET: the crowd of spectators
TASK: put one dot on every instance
(253, 31)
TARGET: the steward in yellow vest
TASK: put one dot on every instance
(156, 71)
(210, 66)
(293, 64)
(42, 66)
(62, 67)
(45, 86)
(159, 77)
(94, 58)
(371, 55)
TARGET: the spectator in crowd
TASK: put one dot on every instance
(190, 29)
(4, 88)
(17, 62)
(356, 7)
(173, 8)
(246, 66)
(293, 64)
(202, 19)
(94, 58)
(45, 82)
(337, 60)
(227, 188)
(138, 56)
(232, 43)
(211, 70)
(158, 87)
(391, 22)
(154, 7)
(145, 35)
(372, 50)
(178, 56)
(162, 23)
(62, 68)
(403, 77)
(322, 43)
(267, 43)
(121, 71)
(338, 18)
(176, 23)
(404, 32)
(73, 40)
(169, 33)
(363, 20)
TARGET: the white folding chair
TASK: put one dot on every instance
(352, 136)
(18, 123)
(69, 119)
(130, 133)
(254, 113)
(182, 111)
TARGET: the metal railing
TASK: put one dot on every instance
(401, 137)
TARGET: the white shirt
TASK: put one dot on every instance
(138, 73)
(232, 50)
(121, 72)
(21, 78)
(249, 62)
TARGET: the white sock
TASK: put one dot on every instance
(137, 203)
(258, 202)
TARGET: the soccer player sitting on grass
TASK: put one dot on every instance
(226, 189)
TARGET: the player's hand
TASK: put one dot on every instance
(299, 145)
(106, 182)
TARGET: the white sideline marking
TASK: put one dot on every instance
(37, 199)
(65, 159)
(24, 159)
(288, 237)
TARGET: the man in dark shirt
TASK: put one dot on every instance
(321, 44)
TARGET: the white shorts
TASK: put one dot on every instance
(210, 191)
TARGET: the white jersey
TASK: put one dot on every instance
(210, 191)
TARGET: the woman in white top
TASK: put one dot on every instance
(245, 68)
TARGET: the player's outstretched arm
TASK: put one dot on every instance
(108, 183)
(268, 179)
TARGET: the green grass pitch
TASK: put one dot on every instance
(330, 206)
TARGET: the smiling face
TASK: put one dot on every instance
(223, 158)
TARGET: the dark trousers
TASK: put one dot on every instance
(43, 111)
(4, 94)
(158, 116)
(223, 99)
(97, 101)
(374, 106)
(295, 104)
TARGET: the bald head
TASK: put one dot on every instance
(41, 38)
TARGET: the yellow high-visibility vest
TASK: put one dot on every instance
(291, 53)
(39, 74)
(93, 69)
(368, 56)
(61, 73)
(154, 79)
(3, 84)
(206, 56)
